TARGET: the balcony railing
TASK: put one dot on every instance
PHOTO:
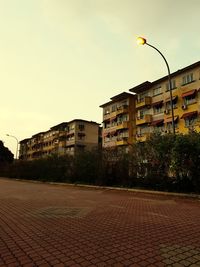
(146, 101)
(122, 125)
(141, 137)
(147, 118)
(122, 141)
(122, 109)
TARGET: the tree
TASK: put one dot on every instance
(6, 156)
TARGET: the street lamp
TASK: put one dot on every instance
(143, 41)
(17, 144)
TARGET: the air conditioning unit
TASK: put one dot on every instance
(166, 111)
(184, 107)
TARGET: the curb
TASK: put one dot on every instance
(96, 187)
(124, 189)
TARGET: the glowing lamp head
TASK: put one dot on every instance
(141, 40)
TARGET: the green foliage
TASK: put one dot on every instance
(6, 155)
(186, 161)
(170, 163)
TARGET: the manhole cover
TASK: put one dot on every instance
(61, 212)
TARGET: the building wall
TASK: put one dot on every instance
(150, 110)
(66, 138)
(119, 121)
(183, 106)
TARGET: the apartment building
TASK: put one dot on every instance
(153, 108)
(119, 121)
(64, 138)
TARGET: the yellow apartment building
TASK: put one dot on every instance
(64, 138)
(153, 108)
(119, 121)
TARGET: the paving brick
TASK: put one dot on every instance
(197, 257)
(29, 265)
(85, 263)
(185, 263)
(177, 265)
(75, 227)
(13, 264)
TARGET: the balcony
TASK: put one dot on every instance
(70, 142)
(122, 109)
(142, 137)
(122, 141)
(144, 119)
(146, 101)
(122, 125)
(110, 115)
(111, 143)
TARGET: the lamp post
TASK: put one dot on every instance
(143, 41)
(17, 143)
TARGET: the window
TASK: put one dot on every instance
(113, 137)
(107, 124)
(144, 129)
(173, 85)
(168, 105)
(81, 136)
(122, 134)
(107, 139)
(70, 148)
(169, 126)
(122, 118)
(70, 137)
(158, 109)
(114, 107)
(66, 129)
(106, 110)
(159, 128)
(81, 127)
(141, 96)
(157, 91)
(188, 100)
(190, 121)
(113, 122)
(124, 103)
(143, 112)
(71, 127)
(174, 102)
(188, 78)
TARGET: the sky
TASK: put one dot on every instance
(61, 59)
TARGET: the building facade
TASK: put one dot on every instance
(153, 108)
(64, 138)
(119, 121)
(129, 118)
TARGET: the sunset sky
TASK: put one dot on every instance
(61, 59)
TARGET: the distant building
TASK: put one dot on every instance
(64, 138)
(119, 121)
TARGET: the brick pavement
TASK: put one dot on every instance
(48, 225)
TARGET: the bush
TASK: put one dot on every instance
(170, 163)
